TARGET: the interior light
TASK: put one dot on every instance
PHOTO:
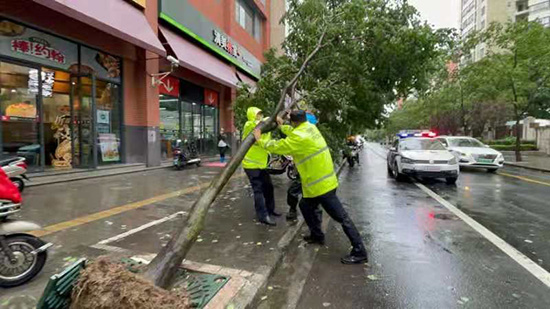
(13, 91)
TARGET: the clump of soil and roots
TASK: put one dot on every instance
(104, 284)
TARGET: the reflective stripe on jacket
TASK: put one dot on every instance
(311, 155)
(257, 156)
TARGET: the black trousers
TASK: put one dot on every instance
(264, 200)
(331, 204)
(293, 194)
(222, 153)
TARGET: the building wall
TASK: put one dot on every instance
(539, 10)
(484, 12)
(222, 14)
(278, 30)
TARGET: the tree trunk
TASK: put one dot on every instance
(162, 270)
(518, 139)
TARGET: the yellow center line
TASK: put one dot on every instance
(525, 179)
(116, 210)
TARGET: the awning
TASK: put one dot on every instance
(115, 17)
(247, 80)
(200, 61)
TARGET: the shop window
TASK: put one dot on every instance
(169, 124)
(187, 120)
(49, 111)
(210, 129)
(108, 119)
(249, 19)
(57, 120)
(18, 104)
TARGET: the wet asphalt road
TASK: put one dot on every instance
(421, 254)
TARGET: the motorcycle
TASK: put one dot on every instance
(16, 169)
(279, 164)
(22, 256)
(352, 155)
(185, 155)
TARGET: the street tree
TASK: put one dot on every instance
(515, 71)
(346, 59)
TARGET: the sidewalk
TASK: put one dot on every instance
(51, 177)
(533, 160)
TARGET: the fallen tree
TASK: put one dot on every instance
(161, 270)
(348, 58)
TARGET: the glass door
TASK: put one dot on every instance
(20, 121)
(83, 122)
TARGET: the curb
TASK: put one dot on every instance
(106, 174)
(269, 270)
(539, 169)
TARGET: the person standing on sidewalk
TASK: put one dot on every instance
(312, 156)
(255, 167)
(222, 147)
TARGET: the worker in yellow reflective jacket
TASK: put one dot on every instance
(312, 157)
(255, 167)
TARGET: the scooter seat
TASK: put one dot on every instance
(8, 161)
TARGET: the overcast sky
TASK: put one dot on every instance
(440, 13)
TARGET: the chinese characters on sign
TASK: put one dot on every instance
(223, 41)
(37, 49)
(47, 82)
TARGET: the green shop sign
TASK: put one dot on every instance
(183, 16)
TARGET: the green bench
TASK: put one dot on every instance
(201, 287)
(57, 294)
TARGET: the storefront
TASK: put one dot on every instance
(188, 112)
(60, 101)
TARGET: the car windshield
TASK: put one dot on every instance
(465, 142)
(421, 144)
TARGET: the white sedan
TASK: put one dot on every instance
(473, 153)
(422, 157)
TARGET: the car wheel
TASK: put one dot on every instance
(398, 176)
(451, 180)
(492, 170)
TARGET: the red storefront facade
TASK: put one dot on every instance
(112, 110)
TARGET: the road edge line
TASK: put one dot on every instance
(532, 267)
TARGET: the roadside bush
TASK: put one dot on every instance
(523, 147)
(510, 141)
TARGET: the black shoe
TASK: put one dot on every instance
(292, 215)
(268, 221)
(355, 259)
(275, 214)
(314, 240)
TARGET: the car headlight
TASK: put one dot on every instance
(452, 161)
(406, 160)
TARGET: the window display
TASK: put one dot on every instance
(49, 113)
(18, 105)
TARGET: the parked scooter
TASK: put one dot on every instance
(22, 256)
(279, 164)
(185, 155)
(16, 169)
